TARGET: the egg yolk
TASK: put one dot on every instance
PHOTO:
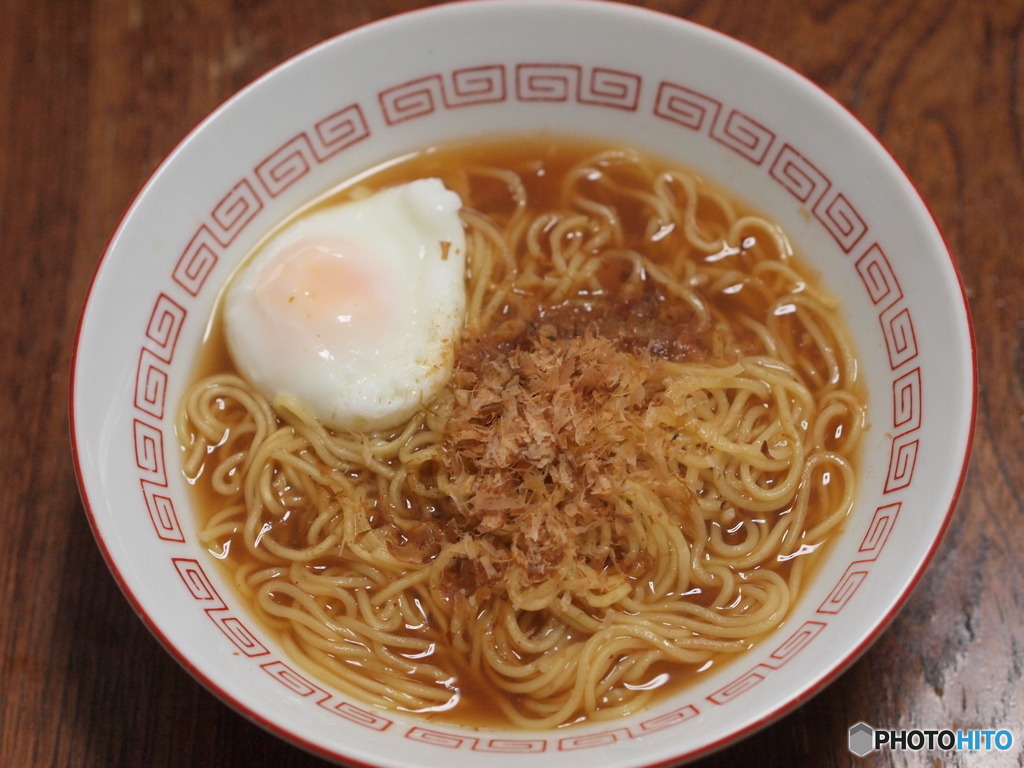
(333, 295)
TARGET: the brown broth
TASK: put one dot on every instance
(540, 163)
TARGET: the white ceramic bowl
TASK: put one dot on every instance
(461, 70)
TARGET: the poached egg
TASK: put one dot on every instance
(354, 309)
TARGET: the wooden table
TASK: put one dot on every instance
(95, 93)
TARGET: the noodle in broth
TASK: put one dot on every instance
(650, 430)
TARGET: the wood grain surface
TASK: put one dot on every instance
(94, 93)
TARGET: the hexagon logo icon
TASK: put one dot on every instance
(862, 739)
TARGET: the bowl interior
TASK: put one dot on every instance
(465, 70)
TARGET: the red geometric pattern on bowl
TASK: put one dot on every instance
(799, 176)
(841, 220)
(876, 273)
(160, 506)
(598, 88)
(164, 327)
(906, 401)
(789, 649)
(871, 547)
(150, 384)
(444, 738)
(485, 84)
(685, 107)
(299, 684)
(202, 590)
(900, 338)
(743, 135)
(511, 746)
(293, 159)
